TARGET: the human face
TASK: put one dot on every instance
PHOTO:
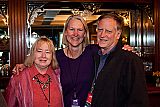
(107, 34)
(42, 56)
(75, 32)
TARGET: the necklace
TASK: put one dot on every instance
(43, 86)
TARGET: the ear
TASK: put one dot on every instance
(85, 34)
(119, 32)
(65, 33)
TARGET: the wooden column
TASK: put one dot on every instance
(17, 31)
(157, 33)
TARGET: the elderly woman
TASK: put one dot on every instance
(38, 85)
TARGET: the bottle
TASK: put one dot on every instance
(2, 72)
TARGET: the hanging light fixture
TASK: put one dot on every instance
(92, 7)
(89, 9)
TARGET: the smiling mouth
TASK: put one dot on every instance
(75, 38)
(103, 40)
(43, 60)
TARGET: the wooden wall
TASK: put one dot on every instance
(127, 1)
(157, 33)
(17, 31)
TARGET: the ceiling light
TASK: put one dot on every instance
(89, 9)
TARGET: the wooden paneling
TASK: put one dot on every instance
(128, 1)
(157, 33)
(17, 31)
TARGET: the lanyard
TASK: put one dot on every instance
(77, 70)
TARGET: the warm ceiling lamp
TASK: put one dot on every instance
(89, 9)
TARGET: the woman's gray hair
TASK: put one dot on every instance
(29, 61)
(86, 39)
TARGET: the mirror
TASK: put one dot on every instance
(4, 36)
(142, 36)
(4, 40)
(48, 18)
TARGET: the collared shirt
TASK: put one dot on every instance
(40, 96)
(103, 59)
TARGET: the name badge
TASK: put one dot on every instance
(75, 103)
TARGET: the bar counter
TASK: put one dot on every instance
(154, 95)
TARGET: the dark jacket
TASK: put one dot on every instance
(121, 82)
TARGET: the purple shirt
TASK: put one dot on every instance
(76, 74)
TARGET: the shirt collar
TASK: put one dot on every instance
(34, 71)
(105, 55)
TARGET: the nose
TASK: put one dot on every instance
(75, 32)
(43, 54)
(103, 34)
